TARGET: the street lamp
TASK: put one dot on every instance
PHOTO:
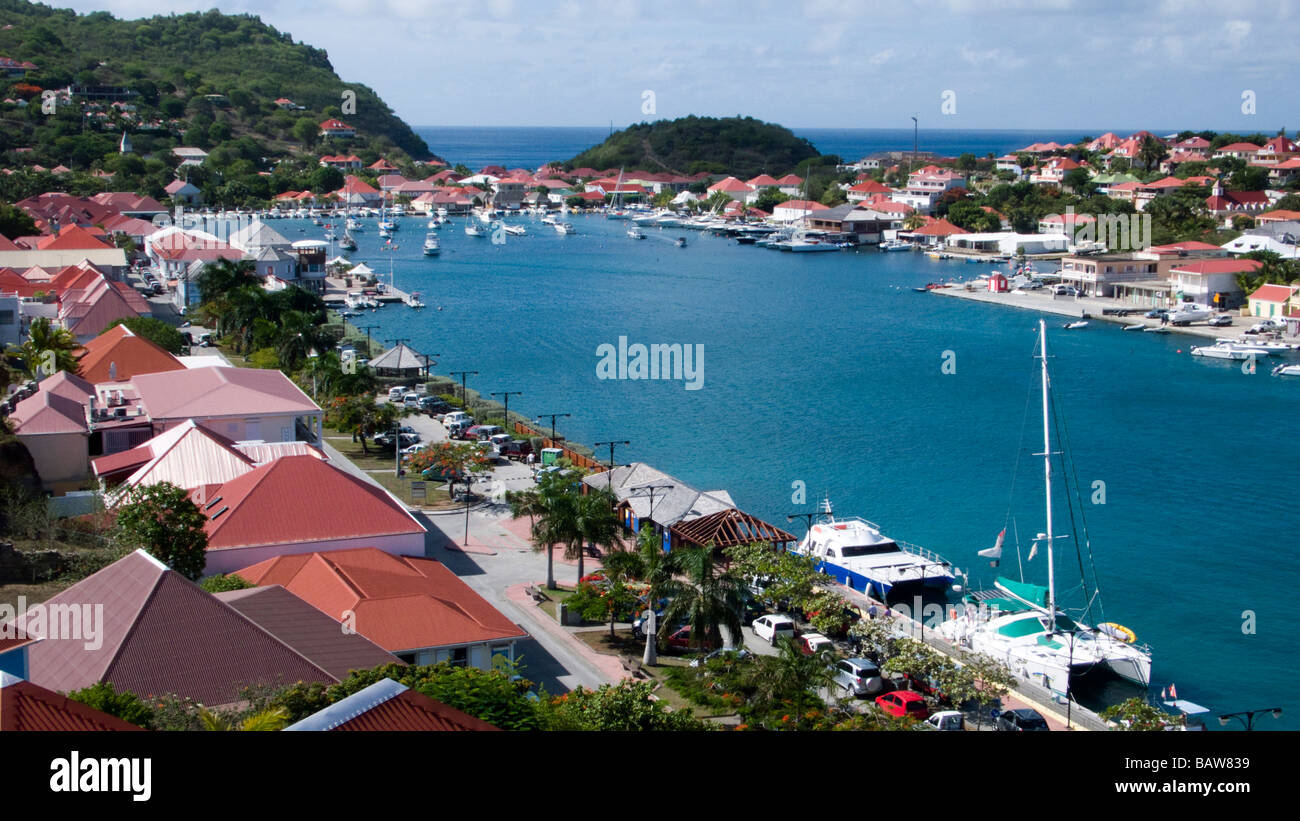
(652, 489)
(611, 459)
(1249, 721)
(553, 416)
(506, 396)
(463, 376)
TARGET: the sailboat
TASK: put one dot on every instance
(615, 210)
(1021, 625)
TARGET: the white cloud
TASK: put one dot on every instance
(881, 57)
(1236, 32)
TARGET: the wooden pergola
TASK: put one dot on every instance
(728, 528)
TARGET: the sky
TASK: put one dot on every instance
(959, 64)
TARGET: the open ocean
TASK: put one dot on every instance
(824, 369)
(532, 148)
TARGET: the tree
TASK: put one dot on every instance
(913, 221)
(270, 720)
(154, 330)
(124, 705)
(363, 417)
(770, 198)
(594, 524)
(161, 520)
(992, 680)
(791, 678)
(707, 598)
(15, 222)
(223, 583)
(1151, 152)
(1079, 181)
(305, 131)
(966, 162)
(45, 346)
(833, 196)
(623, 707)
(555, 517)
(1135, 715)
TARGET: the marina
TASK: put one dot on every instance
(917, 439)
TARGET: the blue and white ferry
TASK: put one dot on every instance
(855, 553)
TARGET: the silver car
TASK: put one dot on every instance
(860, 677)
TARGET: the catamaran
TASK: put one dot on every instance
(1021, 624)
(855, 553)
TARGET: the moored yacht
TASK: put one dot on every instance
(855, 553)
(430, 245)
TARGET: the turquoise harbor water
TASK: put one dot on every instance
(825, 369)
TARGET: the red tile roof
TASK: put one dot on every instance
(1273, 293)
(127, 354)
(388, 706)
(1218, 266)
(201, 393)
(309, 631)
(160, 633)
(939, 228)
(401, 603)
(69, 238)
(298, 499)
(27, 707)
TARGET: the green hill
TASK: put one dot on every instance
(741, 146)
(208, 80)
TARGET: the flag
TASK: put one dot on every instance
(995, 552)
(1172, 692)
(1164, 693)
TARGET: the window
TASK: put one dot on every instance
(458, 657)
(6, 317)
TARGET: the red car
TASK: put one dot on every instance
(680, 639)
(902, 703)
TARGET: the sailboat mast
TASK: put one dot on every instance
(1047, 480)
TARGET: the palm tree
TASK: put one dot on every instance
(223, 276)
(913, 221)
(793, 676)
(554, 524)
(272, 719)
(594, 524)
(707, 599)
(43, 340)
(524, 503)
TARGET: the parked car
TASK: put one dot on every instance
(499, 440)
(516, 450)
(1268, 326)
(434, 406)
(1022, 720)
(680, 639)
(1064, 290)
(1220, 321)
(773, 626)
(482, 433)
(813, 643)
(902, 703)
(437, 473)
(395, 394)
(736, 653)
(948, 720)
(457, 416)
(1156, 313)
(411, 399)
(859, 677)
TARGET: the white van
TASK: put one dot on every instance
(458, 418)
(395, 394)
(411, 399)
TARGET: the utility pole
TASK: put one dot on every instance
(610, 475)
(652, 489)
(463, 376)
(506, 396)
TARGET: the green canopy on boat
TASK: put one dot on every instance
(1033, 594)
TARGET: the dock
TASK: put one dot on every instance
(1093, 309)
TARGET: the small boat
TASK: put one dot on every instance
(1118, 631)
(430, 245)
(1223, 352)
(1156, 329)
(1287, 370)
(414, 300)
(473, 230)
(384, 232)
(515, 230)
(1138, 327)
(680, 242)
(564, 228)
(895, 245)
(347, 243)
(1073, 325)
(634, 232)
